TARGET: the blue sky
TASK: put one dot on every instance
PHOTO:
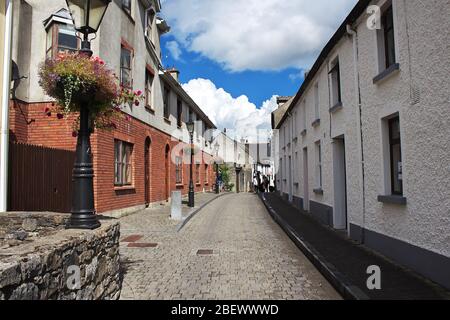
(256, 85)
(236, 56)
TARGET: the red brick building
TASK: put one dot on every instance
(136, 164)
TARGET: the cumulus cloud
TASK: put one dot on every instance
(238, 115)
(256, 34)
(174, 49)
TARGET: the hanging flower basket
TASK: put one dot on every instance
(75, 80)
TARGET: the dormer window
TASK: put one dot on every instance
(61, 35)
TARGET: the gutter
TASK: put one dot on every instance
(354, 36)
(4, 116)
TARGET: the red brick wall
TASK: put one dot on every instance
(52, 132)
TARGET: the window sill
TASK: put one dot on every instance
(198, 184)
(167, 121)
(316, 123)
(303, 133)
(124, 188)
(318, 191)
(395, 68)
(150, 109)
(400, 200)
(294, 139)
(338, 106)
(179, 185)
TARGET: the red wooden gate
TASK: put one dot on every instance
(40, 178)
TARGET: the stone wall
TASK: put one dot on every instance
(47, 266)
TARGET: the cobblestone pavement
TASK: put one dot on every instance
(251, 256)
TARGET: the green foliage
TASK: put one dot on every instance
(74, 80)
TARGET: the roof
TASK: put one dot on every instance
(168, 79)
(278, 114)
(62, 15)
(356, 12)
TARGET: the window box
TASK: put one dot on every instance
(124, 188)
(394, 199)
(315, 123)
(338, 106)
(318, 191)
(393, 69)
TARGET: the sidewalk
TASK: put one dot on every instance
(158, 218)
(344, 263)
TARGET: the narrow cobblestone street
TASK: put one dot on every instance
(251, 256)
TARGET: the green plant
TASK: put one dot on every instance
(74, 80)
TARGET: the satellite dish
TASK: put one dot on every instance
(16, 78)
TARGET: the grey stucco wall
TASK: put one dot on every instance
(419, 92)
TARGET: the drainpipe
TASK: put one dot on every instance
(354, 36)
(4, 116)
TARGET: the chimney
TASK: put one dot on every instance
(174, 73)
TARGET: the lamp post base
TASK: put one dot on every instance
(87, 221)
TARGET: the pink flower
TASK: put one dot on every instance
(138, 92)
(60, 116)
(136, 103)
(46, 110)
(74, 134)
(49, 114)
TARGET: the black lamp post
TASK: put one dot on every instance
(87, 16)
(216, 150)
(190, 127)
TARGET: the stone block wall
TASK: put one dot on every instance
(47, 267)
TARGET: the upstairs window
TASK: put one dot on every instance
(206, 173)
(387, 21)
(148, 89)
(335, 74)
(316, 102)
(125, 68)
(61, 38)
(166, 103)
(149, 19)
(179, 112)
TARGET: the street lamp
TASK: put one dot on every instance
(216, 151)
(190, 127)
(87, 16)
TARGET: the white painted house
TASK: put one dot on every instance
(364, 146)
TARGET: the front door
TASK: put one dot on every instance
(147, 172)
(340, 184)
(167, 173)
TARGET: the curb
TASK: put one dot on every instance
(329, 271)
(195, 211)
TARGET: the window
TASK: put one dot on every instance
(388, 35)
(304, 118)
(125, 68)
(149, 18)
(336, 84)
(166, 103)
(206, 173)
(179, 112)
(316, 102)
(61, 38)
(197, 173)
(123, 169)
(190, 116)
(395, 156)
(148, 89)
(179, 170)
(319, 165)
(269, 149)
(126, 5)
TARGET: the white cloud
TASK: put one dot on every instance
(174, 49)
(256, 34)
(238, 115)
